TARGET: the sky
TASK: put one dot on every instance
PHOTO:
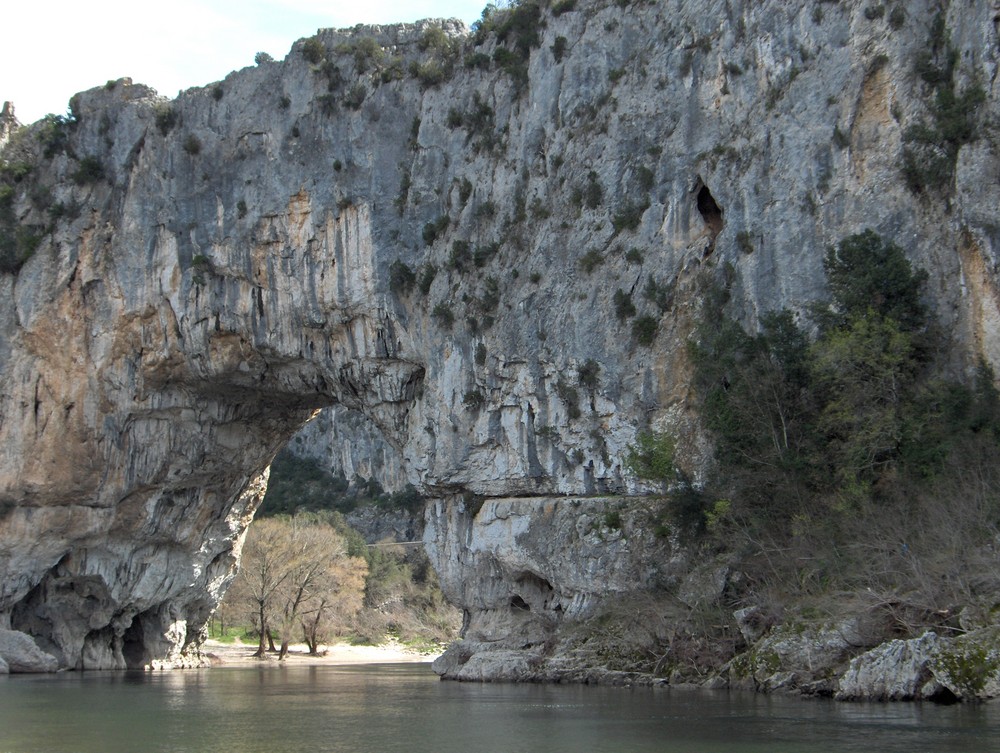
(52, 49)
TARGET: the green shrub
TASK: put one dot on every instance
(484, 253)
(401, 278)
(331, 72)
(624, 308)
(630, 217)
(591, 261)
(651, 458)
(589, 374)
(478, 60)
(367, 54)
(931, 147)
(491, 294)
(444, 316)
(90, 170)
(355, 96)
(867, 273)
(480, 356)
(744, 242)
(433, 229)
(563, 6)
(393, 70)
(551, 433)
(192, 145)
(873, 12)
(53, 135)
(460, 255)
(569, 395)
(218, 93)
(559, 48)
(593, 193)
(646, 179)
(241, 209)
(314, 51)
(897, 17)
(660, 295)
(464, 191)
(427, 274)
(474, 400)
(644, 330)
(166, 118)
(69, 211)
(262, 58)
(435, 39)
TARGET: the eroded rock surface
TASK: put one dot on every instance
(439, 248)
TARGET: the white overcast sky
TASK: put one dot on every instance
(51, 49)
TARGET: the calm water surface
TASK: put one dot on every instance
(404, 707)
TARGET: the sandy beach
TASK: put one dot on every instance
(228, 654)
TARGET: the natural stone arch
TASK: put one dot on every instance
(162, 344)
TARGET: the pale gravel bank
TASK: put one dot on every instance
(239, 653)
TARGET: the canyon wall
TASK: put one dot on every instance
(440, 232)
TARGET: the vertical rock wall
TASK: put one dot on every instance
(208, 271)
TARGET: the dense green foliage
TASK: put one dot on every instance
(300, 484)
(862, 403)
(843, 449)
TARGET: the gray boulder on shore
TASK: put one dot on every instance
(20, 654)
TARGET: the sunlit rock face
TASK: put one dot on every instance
(211, 270)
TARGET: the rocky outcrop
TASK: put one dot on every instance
(528, 570)
(895, 671)
(440, 234)
(20, 654)
(965, 668)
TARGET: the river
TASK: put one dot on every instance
(404, 707)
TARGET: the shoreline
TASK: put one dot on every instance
(241, 654)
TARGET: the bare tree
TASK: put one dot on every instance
(295, 572)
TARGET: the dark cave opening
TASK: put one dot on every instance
(516, 602)
(711, 213)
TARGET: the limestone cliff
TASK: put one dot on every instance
(432, 229)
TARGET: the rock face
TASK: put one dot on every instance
(525, 568)
(19, 653)
(895, 671)
(384, 224)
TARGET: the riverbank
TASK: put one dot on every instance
(239, 653)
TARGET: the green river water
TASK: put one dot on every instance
(405, 708)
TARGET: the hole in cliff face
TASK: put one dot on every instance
(516, 602)
(711, 213)
(537, 582)
(139, 642)
(133, 646)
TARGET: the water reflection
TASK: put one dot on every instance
(405, 708)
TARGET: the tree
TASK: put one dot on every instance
(865, 374)
(870, 276)
(264, 571)
(296, 573)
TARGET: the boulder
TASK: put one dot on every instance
(895, 671)
(19, 653)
